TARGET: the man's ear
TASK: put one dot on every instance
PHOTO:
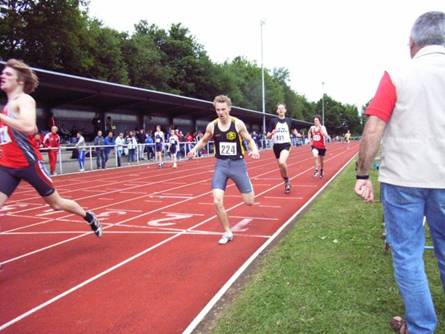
(412, 47)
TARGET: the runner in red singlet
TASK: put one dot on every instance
(317, 137)
(19, 158)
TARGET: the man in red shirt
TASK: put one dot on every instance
(52, 142)
(19, 158)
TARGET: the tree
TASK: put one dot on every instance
(105, 51)
(50, 34)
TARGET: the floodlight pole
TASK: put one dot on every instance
(322, 103)
(263, 99)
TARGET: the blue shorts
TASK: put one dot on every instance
(36, 175)
(235, 170)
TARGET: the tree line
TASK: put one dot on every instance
(59, 35)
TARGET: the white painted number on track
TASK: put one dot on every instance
(11, 207)
(106, 214)
(167, 220)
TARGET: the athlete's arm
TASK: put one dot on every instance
(203, 141)
(26, 119)
(324, 132)
(242, 130)
(296, 133)
(309, 135)
(270, 130)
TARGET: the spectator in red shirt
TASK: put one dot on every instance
(52, 141)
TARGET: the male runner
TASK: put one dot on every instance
(19, 159)
(159, 144)
(317, 137)
(279, 130)
(228, 133)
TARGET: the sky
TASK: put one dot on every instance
(339, 47)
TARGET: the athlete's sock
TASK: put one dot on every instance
(286, 179)
(88, 217)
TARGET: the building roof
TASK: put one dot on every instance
(58, 90)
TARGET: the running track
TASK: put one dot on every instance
(158, 267)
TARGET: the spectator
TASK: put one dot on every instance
(188, 140)
(37, 141)
(149, 146)
(52, 142)
(109, 144)
(120, 143)
(97, 122)
(132, 146)
(81, 147)
(407, 116)
(100, 150)
(109, 125)
(141, 143)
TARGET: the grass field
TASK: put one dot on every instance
(327, 275)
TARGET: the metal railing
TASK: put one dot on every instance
(116, 156)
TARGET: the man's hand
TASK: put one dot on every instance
(254, 154)
(363, 188)
(191, 154)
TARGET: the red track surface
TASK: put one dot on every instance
(158, 263)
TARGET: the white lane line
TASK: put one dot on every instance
(133, 192)
(254, 218)
(195, 322)
(284, 197)
(77, 287)
(43, 248)
(177, 213)
(103, 273)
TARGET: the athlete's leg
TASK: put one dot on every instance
(218, 200)
(57, 202)
(3, 199)
(9, 181)
(315, 154)
(249, 198)
(282, 163)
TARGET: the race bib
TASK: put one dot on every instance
(4, 135)
(316, 137)
(158, 140)
(280, 138)
(227, 149)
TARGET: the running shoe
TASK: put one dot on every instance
(287, 187)
(95, 225)
(315, 172)
(226, 238)
(175, 165)
(321, 173)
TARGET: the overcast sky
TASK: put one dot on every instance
(346, 44)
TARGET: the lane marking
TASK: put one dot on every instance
(256, 218)
(284, 197)
(197, 319)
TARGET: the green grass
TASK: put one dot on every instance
(327, 275)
